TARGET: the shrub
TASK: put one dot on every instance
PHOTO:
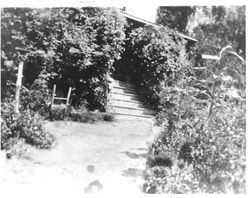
(211, 137)
(178, 179)
(16, 147)
(158, 55)
(220, 156)
(27, 125)
(215, 148)
(203, 123)
(33, 131)
(57, 112)
(108, 117)
(9, 128)
(82, 106)
(37, 98)
(91, 117)
(85, 117)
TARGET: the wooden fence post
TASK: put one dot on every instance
(67, 101)
(53, 95)
(18, 86)
(107, 107)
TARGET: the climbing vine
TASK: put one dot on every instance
(158, 56)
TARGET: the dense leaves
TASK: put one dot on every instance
(158, 55)
(28, 125)
(73, 47)
(37, 98)
(178, 180)
(203, 124)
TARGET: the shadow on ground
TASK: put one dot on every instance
(140, 149)
(133, 172)
(135, 155)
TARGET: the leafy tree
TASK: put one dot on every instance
(69, 46)
(175, 17)
(13, 40)
(226, 27)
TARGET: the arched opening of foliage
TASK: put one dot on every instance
(152, 55)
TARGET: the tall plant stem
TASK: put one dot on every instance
(212, 102)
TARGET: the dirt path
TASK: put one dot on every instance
(111, 155)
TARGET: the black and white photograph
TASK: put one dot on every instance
(125, 99)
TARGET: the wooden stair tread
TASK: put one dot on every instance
(142, 116)
(134, 108)
(125, 101)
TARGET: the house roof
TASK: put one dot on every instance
(153, 24)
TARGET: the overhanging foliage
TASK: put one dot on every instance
(70, 46)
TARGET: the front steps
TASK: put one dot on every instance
(124, 100)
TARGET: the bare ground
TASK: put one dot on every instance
(111, 156)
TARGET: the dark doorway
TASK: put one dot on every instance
(124, 67)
